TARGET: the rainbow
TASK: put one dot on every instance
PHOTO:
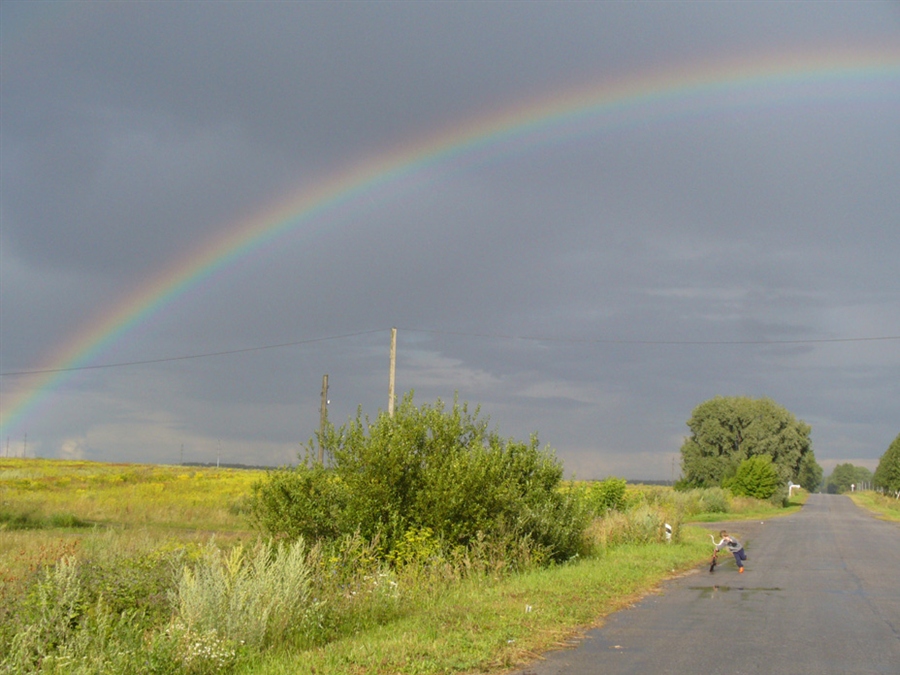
(692, 90)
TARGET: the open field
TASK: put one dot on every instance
(128, 495)
(50, 507)
(137, 535)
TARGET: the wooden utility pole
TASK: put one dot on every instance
(323, 418)
(391, 376)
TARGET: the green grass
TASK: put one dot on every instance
(481, 626)
(10, 520)
(747, 508)
(886, 508)
(710, 505)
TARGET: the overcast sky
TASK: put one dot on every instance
(590, 285)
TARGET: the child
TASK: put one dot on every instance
(734, 547)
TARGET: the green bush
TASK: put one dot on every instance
(756, 477)
(607, 495)
(52, 614)
(62, 626)
(685, 503)
(356, 587)
(10, 520)
(431, 468)
(710, 500)
(306, 501)
(88, 616)
(129, 583)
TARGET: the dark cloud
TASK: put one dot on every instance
(567, 285)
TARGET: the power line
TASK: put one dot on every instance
(495, 336)
(123, 364)
(614, 341)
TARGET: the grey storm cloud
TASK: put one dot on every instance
(592, 289)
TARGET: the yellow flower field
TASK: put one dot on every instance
(135, 507)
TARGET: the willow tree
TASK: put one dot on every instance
(727, 430)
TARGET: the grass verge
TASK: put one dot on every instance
(886, 508)
(482, 628)
(753, 509)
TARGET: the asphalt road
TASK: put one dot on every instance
(821, 594)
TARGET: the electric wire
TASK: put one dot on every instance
(616, 341)
(123, 364)
(496, 336)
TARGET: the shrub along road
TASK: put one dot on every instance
(821, 594)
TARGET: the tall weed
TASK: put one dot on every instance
(88, 616)
(103, 643)
(51, 615)
(353, 589)
(644, 524)
(255, 597)
(685, 503)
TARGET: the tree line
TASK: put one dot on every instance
(757, 448)
(887, 474)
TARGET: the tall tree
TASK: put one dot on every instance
(726, 430)
(887, 475)
(810, 475)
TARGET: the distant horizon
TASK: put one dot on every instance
(266, 467)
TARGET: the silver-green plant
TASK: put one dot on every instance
(254, 597)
